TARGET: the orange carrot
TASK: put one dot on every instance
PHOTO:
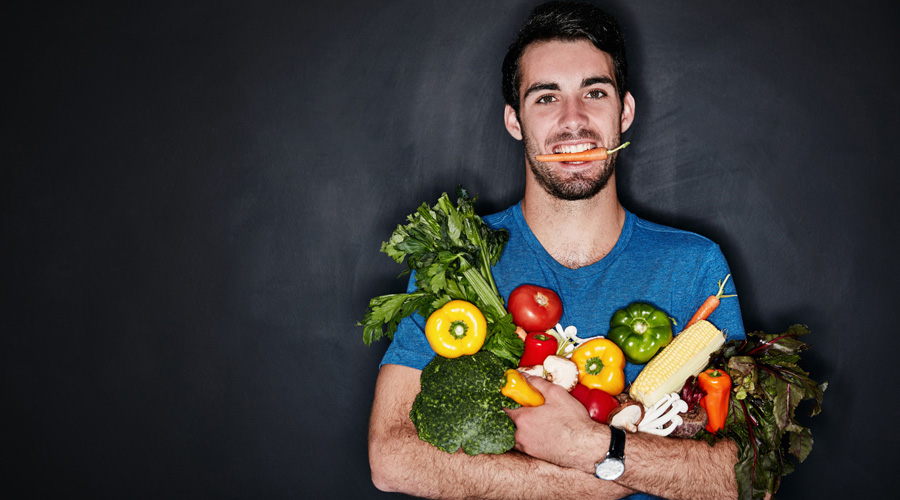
(710, 304)
(589, 155)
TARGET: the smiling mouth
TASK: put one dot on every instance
(574, 148)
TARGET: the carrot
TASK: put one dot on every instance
(589, 155)
(710, 304)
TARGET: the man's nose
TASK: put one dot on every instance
(573, 115)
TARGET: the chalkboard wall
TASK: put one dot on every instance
(193, 196)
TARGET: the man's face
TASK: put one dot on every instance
(568, 104)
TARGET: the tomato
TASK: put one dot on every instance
(534, 308)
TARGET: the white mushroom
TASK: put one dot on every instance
(534, 370)
(557, 369)
(662, 418)
(561, 371)
(627, 416)
(567, 339)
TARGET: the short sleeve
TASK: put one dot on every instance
(409, 346)
(727, 316)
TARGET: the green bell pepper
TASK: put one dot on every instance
(640, 330)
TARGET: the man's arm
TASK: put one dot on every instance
(560, 431)
(402, 462)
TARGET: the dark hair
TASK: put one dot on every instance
(566, 21)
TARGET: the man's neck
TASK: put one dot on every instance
(575, 233)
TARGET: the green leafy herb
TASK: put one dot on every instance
(767, 387)
(451, 252)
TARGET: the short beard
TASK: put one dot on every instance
(573, 186)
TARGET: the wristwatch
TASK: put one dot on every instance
(613, 465)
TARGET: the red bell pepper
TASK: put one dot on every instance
(599, 403)
(538, 345)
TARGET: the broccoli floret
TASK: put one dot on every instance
(460, 405)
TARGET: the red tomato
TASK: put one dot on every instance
(534, 308)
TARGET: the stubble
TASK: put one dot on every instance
(569, 186)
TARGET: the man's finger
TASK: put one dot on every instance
(542, 384)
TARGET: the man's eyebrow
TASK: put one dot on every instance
(537, 87)
(594, 80)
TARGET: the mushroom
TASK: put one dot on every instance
(533, 370)
(561, 371)
(627, 416)
(623, 397)
(662, 418)
(557, 369)
(567, 339)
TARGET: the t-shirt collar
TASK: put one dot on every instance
(596, 267)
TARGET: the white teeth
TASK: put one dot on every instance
(573, 148)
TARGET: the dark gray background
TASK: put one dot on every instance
(194, 194)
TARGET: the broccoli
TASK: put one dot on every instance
(460, 405)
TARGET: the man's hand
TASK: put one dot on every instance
(549, 431)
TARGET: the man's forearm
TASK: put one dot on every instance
(674, 468)
(431, 473)
(680, 468)
(402, 462)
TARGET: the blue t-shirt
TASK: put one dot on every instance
(673, 270)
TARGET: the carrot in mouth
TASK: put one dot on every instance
(589, 155)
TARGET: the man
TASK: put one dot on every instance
(565, 86)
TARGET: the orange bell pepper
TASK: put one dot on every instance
(601, 365)
(717, 385)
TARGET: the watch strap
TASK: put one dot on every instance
(616, 443)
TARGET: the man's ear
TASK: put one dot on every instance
(512, 122)
(627, 111)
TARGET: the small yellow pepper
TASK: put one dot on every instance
(519, 390)
(601, 365)
(456, 329)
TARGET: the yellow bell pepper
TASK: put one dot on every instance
(456, 329)
(519, 390)
(601, 365)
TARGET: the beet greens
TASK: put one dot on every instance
(767, 387)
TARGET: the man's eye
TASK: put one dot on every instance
(596, 94)
(546, 99)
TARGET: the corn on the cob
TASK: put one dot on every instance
(687, 355)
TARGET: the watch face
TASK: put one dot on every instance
(611, 468)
